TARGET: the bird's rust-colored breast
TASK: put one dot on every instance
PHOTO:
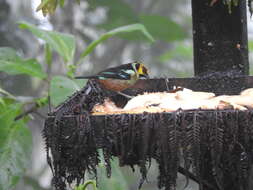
(115, 84)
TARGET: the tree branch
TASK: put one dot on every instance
(27, 112)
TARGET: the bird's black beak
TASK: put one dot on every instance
(143, 76)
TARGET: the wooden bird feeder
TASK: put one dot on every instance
(216, 145)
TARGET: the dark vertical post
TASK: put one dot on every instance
(220, 37)
(220, 45)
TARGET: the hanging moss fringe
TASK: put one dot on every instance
(250, 7)
(233, 3)
(215, 146)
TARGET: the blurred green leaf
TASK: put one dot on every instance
(162, 28)
(80, 82)
(60, 88)
(12, 64)
(179, 52)
(64, 44)
(47, 6)
(15, 146)
(117, 31)
(85, 185)
(61, 2)
(2, 101)
(119, 13)
(71, 70)
(7, 53)
(250, 43)
(29, 67)
(7, 114)
(250, 46)
(42, 4)
(42, 101)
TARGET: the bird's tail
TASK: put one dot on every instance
(86, 77)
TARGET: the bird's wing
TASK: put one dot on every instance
(121, 75)
(123, 72)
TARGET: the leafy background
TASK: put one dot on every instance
(40, 55)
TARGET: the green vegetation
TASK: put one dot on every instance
(15, 141)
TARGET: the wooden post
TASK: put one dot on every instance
(219, 37)
(220, 45)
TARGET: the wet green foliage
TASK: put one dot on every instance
(15, 144)
(15, 141)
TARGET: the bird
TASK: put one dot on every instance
(120, 77)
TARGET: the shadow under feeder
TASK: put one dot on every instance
(216, 144)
